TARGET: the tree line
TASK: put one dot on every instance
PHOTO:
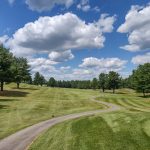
(14, 69)
(139, 80)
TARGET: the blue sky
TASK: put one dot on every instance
(75, 39)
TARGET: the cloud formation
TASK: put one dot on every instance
(107, 64)
(84, 5)
(61, 56)
(43, 65)
(141, 59)
(137, 25)
(45, 5)
(55, 38)
(105, 23)
(3, 39)
(90, 68)
(60, 33)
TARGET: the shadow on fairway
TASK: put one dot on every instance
(32, 89)
(3, 106)
(13, 93)
(147, 96)
(8, 100)
(110, 92)
(121, 93)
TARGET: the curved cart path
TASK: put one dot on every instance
(22, 139)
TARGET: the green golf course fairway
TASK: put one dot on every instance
(115, 131)
(30, 104)
(128, 129)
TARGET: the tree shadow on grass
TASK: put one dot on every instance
(32, 89)
(8, 100)
(116, 92)
(146, 96)
(121, 93)
(3, 106)
(13, 93)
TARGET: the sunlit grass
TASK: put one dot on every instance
(31, 104)
(128, 129)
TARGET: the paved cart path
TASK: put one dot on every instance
(23, 138)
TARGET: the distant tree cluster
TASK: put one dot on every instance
(110, 81)
(105, 81)
(39, 79)
(13, 69)
(139, 80)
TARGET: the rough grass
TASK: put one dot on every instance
(128, 129)
(32, 104)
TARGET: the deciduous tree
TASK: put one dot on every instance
(6, 59)
(141, 78)
(94, 83)
(52, 82)
(103, 79)
(113, 80)
(20, 70)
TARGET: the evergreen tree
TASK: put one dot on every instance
(42, 80)
(37, 77)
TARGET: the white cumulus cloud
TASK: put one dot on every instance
(61, 56)
(105, 23)
(3, 39)
(137, 25)
(59, 33)
(141, 59)
(90, 68)
(45, 5)
(103, 63)
(84, 5)
(42, 65)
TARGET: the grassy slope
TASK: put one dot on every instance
(31, 104)
(124, 130)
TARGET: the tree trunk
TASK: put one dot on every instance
(113, 90)
(144, 93)
(17, 85)
(103, 90)
(2, 85)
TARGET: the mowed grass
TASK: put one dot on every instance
(128, 99)
(128, 129)
(115, 131)
(32, 104)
